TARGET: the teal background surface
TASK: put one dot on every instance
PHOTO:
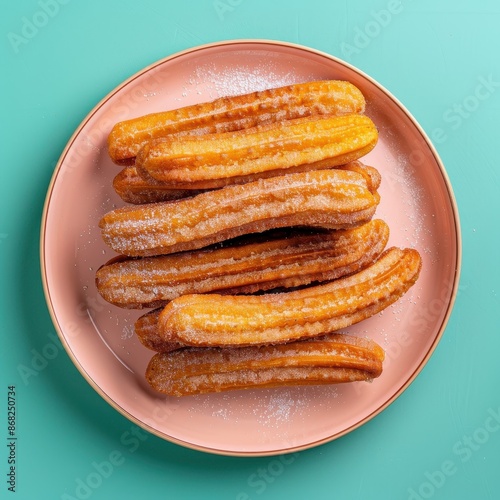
(441, 438)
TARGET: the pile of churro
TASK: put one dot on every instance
(249, 234)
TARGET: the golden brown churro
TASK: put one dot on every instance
(235, 113)
(247, 268)
(231, 320)
(302, 144)
(133, 188)
(332, 199)
(333, 359)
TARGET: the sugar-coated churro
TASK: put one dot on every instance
(133, 188)
(309, 143)
(333, 359)
(231, 320)
(332, 199)
(267, 264)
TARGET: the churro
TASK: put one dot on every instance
(232, 320)
(333, 359)
(333, 199)
(242, 268)
(206, 161)
(234, 113)
(133, 188)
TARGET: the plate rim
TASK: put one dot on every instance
(457, 245)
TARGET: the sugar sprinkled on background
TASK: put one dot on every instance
(270, 408)
(282, 406)
(223, 406)
(240, 80)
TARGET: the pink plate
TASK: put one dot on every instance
(417, 203)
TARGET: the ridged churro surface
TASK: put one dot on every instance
(133, 188)
(234, 113)
(247, 268)
(230, 320)
(207, 160)
(333, 199)
(332, 359)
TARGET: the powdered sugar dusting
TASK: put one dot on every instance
(273, 410)
(281, 407)
(227, 81)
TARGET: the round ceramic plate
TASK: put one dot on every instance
(416, 201)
